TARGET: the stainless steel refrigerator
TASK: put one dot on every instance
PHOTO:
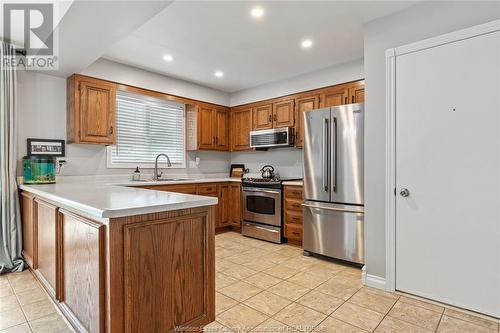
(333, 204)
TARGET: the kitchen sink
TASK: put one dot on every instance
(167, 180)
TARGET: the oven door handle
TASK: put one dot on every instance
(260, 190)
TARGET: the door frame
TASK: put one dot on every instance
(390, 135)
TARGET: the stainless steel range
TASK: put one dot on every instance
(261, 200)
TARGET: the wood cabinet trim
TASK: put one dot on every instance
(293, 213)
(65, 307)
(51, 283)
(296, 95)
(30, 235)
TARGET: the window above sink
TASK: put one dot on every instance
(145, 127)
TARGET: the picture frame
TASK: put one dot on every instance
(237, 170)
(45, 147)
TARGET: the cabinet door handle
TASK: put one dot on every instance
(214, 140)
(111, 130)
(270, 117)
(275, 117)
(353, 99)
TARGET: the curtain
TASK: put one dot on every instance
(10, 230)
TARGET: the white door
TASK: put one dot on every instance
(448, 157)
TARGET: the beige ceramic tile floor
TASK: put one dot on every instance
(266, 288)
(25, 307)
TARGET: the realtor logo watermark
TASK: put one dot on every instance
(30, 25)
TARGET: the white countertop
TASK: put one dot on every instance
(117, 198)
(293, 182)
(105, 197)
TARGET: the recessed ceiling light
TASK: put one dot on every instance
(219, 73)
(168, 57)
(306, 43)
(257, 12)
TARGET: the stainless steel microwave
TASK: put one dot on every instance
(269, 138)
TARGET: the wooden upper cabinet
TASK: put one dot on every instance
(206, 135)
(334, 96)
(212, 126)
(240, 127)
(221, 129)
(357, 92)
(90, 110)
(283, 113)
(303, 104)
(263, 117)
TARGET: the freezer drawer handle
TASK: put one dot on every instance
(333, 209)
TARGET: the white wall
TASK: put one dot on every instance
(422, 21)
(325, 77)
(41, 113)
(286, 161)
(113, 71)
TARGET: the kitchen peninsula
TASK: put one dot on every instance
(122, 259)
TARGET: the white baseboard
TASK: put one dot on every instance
(374, 281)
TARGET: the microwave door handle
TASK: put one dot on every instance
(324, 154)
(334, 155)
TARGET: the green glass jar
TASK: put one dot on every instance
(39, 169)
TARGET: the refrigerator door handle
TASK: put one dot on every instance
(325, 152)
(343, 210)
(334, 154)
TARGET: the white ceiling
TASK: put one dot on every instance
(205, 36)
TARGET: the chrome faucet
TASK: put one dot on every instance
(157, 175)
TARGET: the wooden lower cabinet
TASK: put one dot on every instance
(29, 229)
(223, 220)
(47, 233)
(143, 273)
(82, 271)
(293, 213)
(210, 190)
(228, 210)
(234, 206)
(169, 281)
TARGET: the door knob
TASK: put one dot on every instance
(404, 192)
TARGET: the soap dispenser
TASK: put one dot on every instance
(137, 174)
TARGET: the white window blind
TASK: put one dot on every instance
(146, 127)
